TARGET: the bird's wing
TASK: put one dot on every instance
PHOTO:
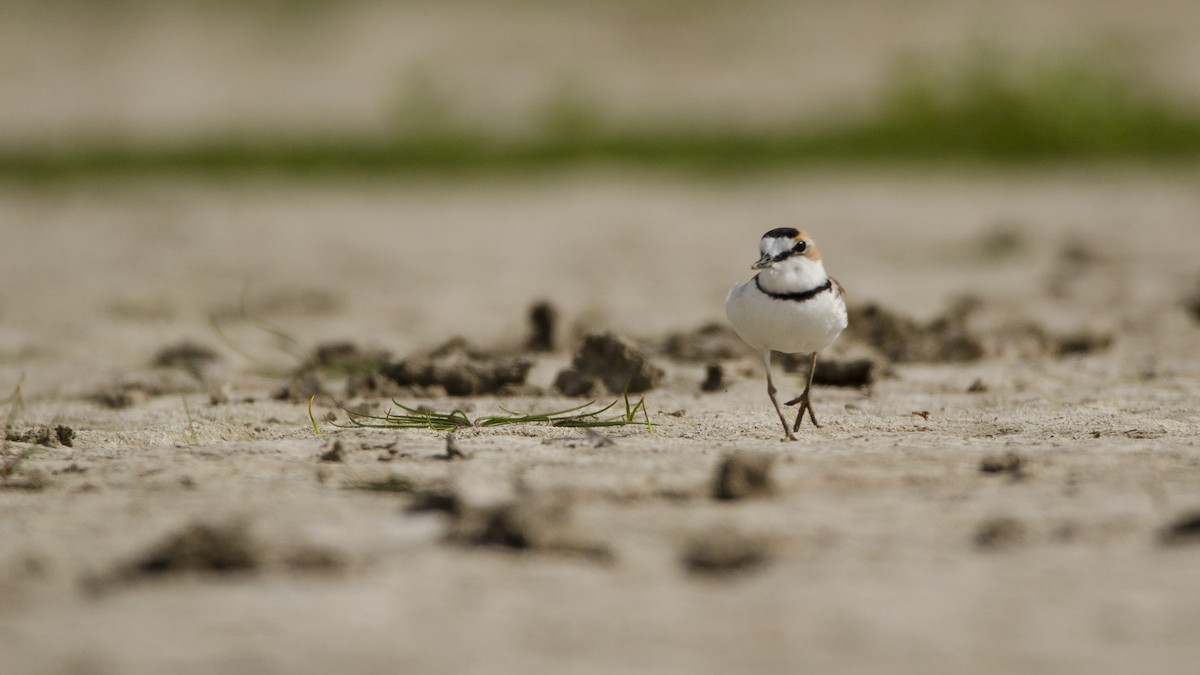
(837, 288)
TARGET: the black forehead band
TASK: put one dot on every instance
(783, 232)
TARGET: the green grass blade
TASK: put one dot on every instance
(417, 418)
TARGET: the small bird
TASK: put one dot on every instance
(791, 306)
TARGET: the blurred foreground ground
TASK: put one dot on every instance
(884, 548)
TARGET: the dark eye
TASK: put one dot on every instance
(800, 246)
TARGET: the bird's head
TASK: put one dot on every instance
(785, 243)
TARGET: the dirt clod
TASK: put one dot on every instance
(300, 388)
(200, 547)
(713, 341)
(1000, 532)
(977, 387)
(1183, 530)
(833, 371)
(65, 435)
(119, 397)
(543, 327)
(461, 370)
(373, 385)
(571, 382)
(436, 499)
(1028, 339)
(724, 550)
(714, 378)
(531, 523)
(187, 355)
(1004, 462)
(1192, 303)
(905, 340)
(744, 475)
(847, 372)
(336, 453)
(609, 360)
(32, 480)
(844, 372)
(1081, 343)
(43, 436)
(347, 357)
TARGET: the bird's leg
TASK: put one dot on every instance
(788, 435)
(802, 399)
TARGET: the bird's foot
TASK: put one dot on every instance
(805, 404)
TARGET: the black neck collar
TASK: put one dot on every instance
(795, 297)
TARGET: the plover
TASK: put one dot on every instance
(790, 306)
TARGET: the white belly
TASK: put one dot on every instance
(785, 325)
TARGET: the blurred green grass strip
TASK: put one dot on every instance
(987, 108)
(983, 109)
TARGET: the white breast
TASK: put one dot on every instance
(788, 326)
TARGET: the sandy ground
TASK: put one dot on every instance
(883, 548)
